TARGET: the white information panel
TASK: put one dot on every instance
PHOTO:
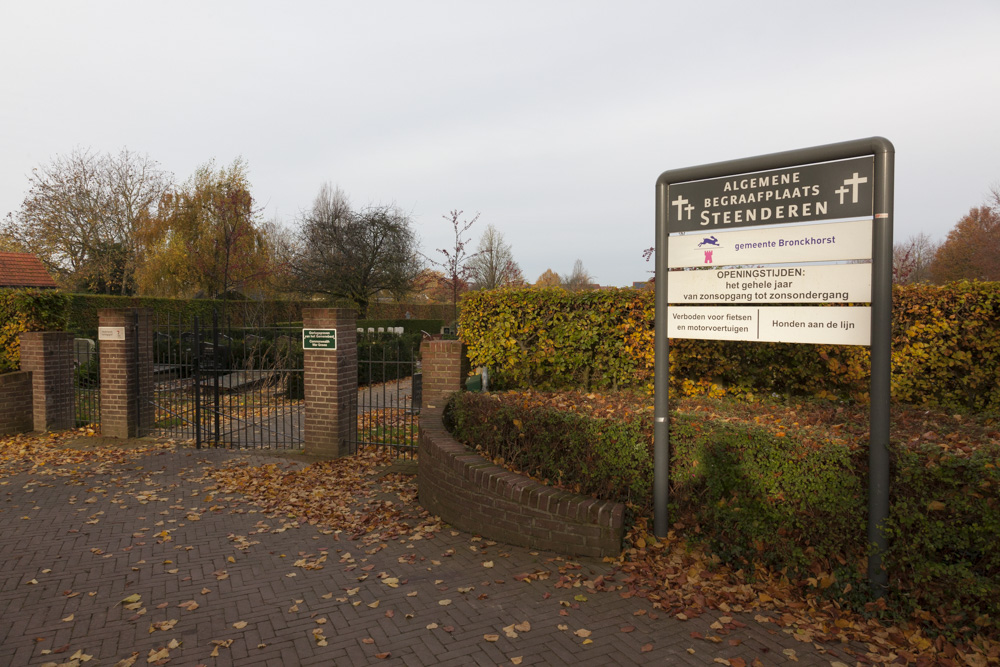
(110, 333)
(770, 245)
(838, 325)
(823, 283)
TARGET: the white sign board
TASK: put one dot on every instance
(773, 245)
(843, 325)
(816, 283)
(110, 333)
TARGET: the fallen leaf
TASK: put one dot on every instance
(646, 648)
(582, 633)
(239, 625)
(155, 655)
(516, 660)
(68, 618)
(129, 661)
(491, 638)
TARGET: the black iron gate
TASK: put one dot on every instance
(228, 386)
(389, 392)
(86, 382)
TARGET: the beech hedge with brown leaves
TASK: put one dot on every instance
(946, 347)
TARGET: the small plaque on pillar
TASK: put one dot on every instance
(111, 333)
(319, 339)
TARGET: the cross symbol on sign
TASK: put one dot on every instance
(679, 203)
(854, 182)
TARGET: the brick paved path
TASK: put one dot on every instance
(75, 542)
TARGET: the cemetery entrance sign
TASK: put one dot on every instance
(735, 229)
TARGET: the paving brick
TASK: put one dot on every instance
(258, 592)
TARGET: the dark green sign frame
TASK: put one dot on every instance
(695, 182)
(319, 339)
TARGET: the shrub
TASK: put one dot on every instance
(27, 310)
(605, 458)
(946, 347)
(783, 502)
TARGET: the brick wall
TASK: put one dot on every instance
(49, 357)
(471, 493)
(331, 383)
(126, 374)
(445, 366)
(15, 403)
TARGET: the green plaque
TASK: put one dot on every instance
(319, 339)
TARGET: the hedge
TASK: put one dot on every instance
(759, 498)
(945, 347)
(27, 310)
(83, 310)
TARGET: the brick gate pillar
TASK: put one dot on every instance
(444, 365)
(49, 357)
(126, 361)
(331, 383)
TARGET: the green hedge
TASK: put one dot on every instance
(27, 310)
(83, 310)
(946, 347)
(759, 498)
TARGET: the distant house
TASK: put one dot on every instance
(22, 269)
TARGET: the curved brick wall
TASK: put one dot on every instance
(469, 492)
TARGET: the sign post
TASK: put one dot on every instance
(700, 205)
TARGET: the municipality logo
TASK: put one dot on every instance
(711, 242)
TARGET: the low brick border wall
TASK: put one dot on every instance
(16, 403)
(469, 492)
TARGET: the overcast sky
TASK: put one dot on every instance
(551, 119)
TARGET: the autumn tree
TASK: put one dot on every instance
(430, 286)
(455, 262)
(206, 237)
(972, 249)
(911, 259)
(84, 216)
(579, 279)
(493, 265)
(549, 278)
(352, 254)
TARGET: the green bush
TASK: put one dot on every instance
(27, 310)
(605, 458)
(762, 499)
(944, 529)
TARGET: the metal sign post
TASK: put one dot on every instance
(852, 179)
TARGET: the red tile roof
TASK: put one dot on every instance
(22, 269)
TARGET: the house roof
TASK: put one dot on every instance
(22, 269)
